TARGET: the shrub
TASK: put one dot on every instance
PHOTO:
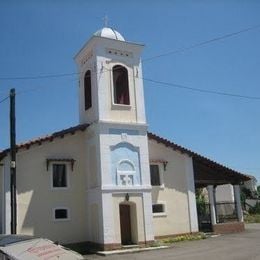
(187, 237)
(252, 218)
(255, 209)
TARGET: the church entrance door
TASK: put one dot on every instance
(125, 224)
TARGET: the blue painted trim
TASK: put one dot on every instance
(114, 131)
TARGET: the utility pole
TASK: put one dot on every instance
(13, 162)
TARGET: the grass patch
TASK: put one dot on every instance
(156, 243)
(255, 218)
(188, 237)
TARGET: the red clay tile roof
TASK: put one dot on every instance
(46, 138)
(198, 158)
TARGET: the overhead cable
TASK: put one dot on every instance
(196, 45)
(144, 60)
(202, 90)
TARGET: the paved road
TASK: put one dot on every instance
(241, 246)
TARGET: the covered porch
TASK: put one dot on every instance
(213, 215)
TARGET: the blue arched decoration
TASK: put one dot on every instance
(126, 165)
(124, 152)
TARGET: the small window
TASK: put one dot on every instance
(87, 90)
(155, 175)
(158, 208)
(59, 176)
(121, 86)
(61, 214)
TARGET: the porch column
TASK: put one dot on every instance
(212, 200)
(238, 203)
(193, 215)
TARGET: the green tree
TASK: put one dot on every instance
(255, 209)
(201, 202)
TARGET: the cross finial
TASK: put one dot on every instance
(105, 20)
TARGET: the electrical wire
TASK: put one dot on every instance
(33, 89)
(202, 90)
(40, 76)
(144, 60)
(152, 80)
(196, 45)
(1, 101)
(165, 84)
(220, 93)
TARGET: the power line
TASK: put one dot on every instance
(41, 76)
(202, 90)
(2, 92)
(166, 84)
(196, 45)
(180, 86)
(1, 101)
(34, 89)
(144, 60)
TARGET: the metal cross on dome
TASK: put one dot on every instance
(105, 20)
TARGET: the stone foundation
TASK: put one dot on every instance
(231, 227)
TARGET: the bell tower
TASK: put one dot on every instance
(111, 86)
(111, 100)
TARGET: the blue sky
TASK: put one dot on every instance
(42, 37)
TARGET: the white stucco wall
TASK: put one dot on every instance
(6, 213)
(137, 217)
(100, 55)
(36, 199)
(225, 193)
(133, 142)
(175, 193)
(119, 133)
(1, 195)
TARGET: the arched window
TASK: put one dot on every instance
(87, 90)
(121, 86)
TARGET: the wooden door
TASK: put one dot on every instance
(125, 224)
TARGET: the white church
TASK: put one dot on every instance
(108, 182)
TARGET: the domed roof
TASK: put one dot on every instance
(107, 32)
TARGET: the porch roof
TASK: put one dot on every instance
(206, 171)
